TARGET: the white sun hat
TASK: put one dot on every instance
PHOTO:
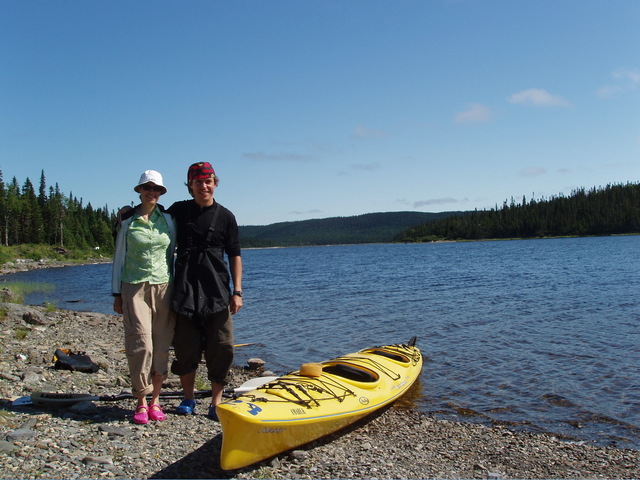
(151, 176)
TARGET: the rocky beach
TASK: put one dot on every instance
(96, 439)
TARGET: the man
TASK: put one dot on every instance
(203, 299)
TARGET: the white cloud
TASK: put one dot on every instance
(362, 131)
(313, 211)
(475, 113)
(632, 76)
(277, 157)
(435, 201)
(533, 171)
(538, 97)
(369, 167)
(624, 80)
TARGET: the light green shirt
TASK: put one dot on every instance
(146, 259)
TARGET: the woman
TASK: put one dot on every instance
(141, 286)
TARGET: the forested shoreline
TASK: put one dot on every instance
(610, 210)
(46, 217)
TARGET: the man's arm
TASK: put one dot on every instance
(235, 267)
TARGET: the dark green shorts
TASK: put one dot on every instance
(212, 337)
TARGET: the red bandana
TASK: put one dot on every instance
(200, 170)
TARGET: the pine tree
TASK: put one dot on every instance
(32, 227)
(4, 213)
(14, 213)
(51, 218)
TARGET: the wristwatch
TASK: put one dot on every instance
(238, 293)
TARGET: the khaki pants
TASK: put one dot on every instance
(149, 326)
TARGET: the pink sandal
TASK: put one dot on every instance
(156, 413)
(141, 415)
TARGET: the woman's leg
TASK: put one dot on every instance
(138, 338)
(163, 328)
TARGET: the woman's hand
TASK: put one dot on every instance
(117, 304)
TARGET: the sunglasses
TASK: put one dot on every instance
(154, 188)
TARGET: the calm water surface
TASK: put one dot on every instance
(539, 335)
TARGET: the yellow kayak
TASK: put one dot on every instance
(314, 401)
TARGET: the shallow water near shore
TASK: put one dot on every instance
(540, 335)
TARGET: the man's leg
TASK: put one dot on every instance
(218, 354)
(188, 382)
(216, 393)
(187, 344)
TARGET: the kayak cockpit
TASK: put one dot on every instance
(390, 355)
(352, 372)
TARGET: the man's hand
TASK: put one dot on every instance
(235, 304)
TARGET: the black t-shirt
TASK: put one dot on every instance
(202, 278)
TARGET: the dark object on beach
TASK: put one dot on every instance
(76, 362)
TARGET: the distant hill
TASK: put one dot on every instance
(367, 228)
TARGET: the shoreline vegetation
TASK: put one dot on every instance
(47, 218)
(98, 440)
(24, 257)
(609, 210)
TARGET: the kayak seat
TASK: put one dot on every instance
(351, 372)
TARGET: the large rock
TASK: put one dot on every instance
(6, 295)
(33, 317)
(25, 313)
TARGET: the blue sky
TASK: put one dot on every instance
(315, 109)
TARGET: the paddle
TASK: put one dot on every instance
(65, 399)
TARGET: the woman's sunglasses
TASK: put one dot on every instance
(155, 188)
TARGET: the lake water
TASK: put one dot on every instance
(538, 335)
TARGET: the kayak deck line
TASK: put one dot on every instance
(346, 367)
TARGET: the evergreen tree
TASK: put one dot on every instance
(14, 213)
(56, 213)
(51, 218)
(4, 213)
(32, 228)
(614, 209)
(42, 191)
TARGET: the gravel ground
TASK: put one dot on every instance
(98, 440)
